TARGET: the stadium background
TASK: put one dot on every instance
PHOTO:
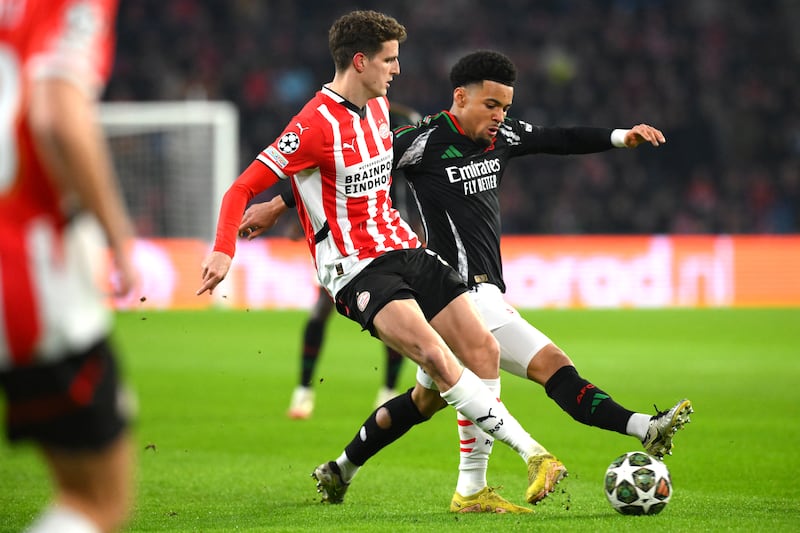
(719, 78)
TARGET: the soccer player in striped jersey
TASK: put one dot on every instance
(454, 162)
(337, 152)
(59, 208)
(301, 405)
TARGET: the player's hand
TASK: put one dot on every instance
(644, 133)
(215, 268)
(258, 218)
(125, 277)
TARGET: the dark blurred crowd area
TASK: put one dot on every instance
(720, 78)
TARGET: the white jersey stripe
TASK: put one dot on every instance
(340, 158)
(463, 265)
(384, 105)
(343, 220)
(272, 166)
(380, 208)
(372, 226)
(309, 189)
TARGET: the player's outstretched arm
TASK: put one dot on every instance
(644, 133)
(252, 181)
(258, 218)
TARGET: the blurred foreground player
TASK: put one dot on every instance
(58, 200)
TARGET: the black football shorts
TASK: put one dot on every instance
(74, 403)
(418, 274)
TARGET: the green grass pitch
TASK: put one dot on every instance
(216, 451)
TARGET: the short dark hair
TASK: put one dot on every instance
(362, 31)
(483, 65)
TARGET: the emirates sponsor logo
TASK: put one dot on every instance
(472, 170)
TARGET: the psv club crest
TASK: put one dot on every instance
(362, 300)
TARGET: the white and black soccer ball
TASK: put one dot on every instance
(637, 483)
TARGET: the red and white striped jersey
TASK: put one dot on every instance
(339, 159)
(49, 304)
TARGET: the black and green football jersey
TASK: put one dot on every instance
(455, 183)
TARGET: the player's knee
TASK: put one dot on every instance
(416, 405)
(428, 401)
(383, 418)
(546, 363)
(111, 492)
(482, 356)
(434, 359)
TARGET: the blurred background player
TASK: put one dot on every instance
(302, 402)
(301, 405)
(58, 200)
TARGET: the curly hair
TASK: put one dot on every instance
(362, 31)
(483, 65)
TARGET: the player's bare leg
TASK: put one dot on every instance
(402, 325)
(94, 485)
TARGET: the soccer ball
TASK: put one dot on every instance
(637, 483)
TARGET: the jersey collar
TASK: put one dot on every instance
(360, 111)
(454, 121)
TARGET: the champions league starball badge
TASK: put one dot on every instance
(289, 143)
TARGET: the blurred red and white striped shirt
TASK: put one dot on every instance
(49, 304)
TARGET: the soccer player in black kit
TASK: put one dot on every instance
(454, 163)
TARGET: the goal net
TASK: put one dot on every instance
(174, 160)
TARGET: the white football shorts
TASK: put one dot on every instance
(519, 340)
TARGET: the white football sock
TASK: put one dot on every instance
(475, 401)
(475, 446)
(638, 424)
(348, 469)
